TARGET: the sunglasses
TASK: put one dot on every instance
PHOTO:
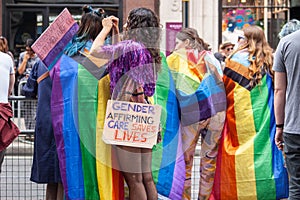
(229, 49)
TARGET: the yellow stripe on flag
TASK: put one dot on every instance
(244, 159)
(103, 151)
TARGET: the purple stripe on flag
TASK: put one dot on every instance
(203, 109)
(57, 115)
(179, 171)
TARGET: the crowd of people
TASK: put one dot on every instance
(240, 102)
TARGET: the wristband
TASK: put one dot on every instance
(279, 125)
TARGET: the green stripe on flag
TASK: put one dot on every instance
(262, 146)
(87, 113)
(160, 97)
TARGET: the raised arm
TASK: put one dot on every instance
(108, 23)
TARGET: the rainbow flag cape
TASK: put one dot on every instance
(249, 165)
(168, 160)
(187, 97)
(49, 46)
(202, 103)
(78, 104)
(199, 88)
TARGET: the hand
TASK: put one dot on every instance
(26, 56)
(115, 21)
(139, 97)
(279, 138)
(107, 23)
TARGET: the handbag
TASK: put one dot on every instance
(8, 129)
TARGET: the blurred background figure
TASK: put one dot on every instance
(288, 28)
(225, 49)
(27, 60)
(4, 47)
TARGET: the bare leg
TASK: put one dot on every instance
(54, 191)
(2, 158)
(130, 159)
(147, 174)
(60, 191)
(51, 191)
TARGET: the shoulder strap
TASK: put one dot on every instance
(43, 76)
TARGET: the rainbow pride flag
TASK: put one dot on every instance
(201, 100)
(249, 165)
(78, 104)
(187, 97)
(168, 161)
(49, 46)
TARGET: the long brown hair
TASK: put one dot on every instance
(3, 44)
(91, 22)
(195, 42)
(260, 53)
(89, 27)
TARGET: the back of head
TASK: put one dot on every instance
(254, 34)
(90, 23)
(195, 42)
(89, 27)
(3, 44)
(29, 42)
(288, 28)
(260, 52)
(143, 26)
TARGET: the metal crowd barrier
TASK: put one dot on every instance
(15, 181)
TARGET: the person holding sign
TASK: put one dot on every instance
(132, 65)
(75, 147)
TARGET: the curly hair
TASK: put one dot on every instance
(260, 53)
(195, 42)
(143, 26)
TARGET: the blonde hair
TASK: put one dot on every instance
(260, 53)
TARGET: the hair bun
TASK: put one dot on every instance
(87, 9)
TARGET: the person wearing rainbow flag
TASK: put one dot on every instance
(249, 166)
(132, 65)
(76, 155)
(200, 91)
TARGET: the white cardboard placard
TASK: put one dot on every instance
(131, 124)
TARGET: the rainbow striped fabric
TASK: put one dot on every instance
(201, 100)
(168, 161)
(249, 165)
(78, 109)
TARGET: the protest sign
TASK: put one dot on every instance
(131, 124)
(49, 46)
